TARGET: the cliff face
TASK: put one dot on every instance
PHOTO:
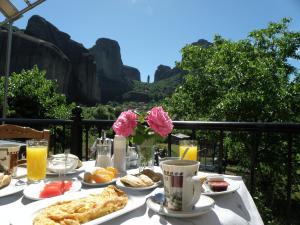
(163, 72)
(28, 51)
(131, 73)
(115, 78)
(83, 84)
(86, 76)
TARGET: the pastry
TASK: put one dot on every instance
(146, 180)
(87, 177)
(4, 180)
(132, 181)
(150, 173)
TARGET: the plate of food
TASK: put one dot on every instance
(218, 185)
(98, 206)
(99, 177)
(51, 188)
(9, 186)
(145, 180)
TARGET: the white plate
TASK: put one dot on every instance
(92, 170)
(28, 212)
(233, 186)
(98, 184)
(204, 205)
(12, 188)
(32, 191)
(120, 184)
(79, 170)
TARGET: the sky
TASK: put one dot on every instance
(152, 32)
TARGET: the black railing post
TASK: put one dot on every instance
(256, 138)
(220, 156)
(76, 132)
(87, 129)
(193, 136)
(54, 141)
(289, 178)
(169, 145)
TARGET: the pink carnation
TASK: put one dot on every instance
(159, 121)
(125, 124)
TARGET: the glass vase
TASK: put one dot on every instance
(145, 152)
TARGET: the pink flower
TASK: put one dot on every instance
(159, 121)
(125, 124)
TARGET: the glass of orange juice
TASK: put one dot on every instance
(191, 149)
(36, 155)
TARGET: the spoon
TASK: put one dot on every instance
(184, 153)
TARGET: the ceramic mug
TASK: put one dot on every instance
(181, 184)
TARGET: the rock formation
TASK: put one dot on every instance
(86, 76)
(115, 78)
(28, 51)
(202, 42)
(83, 85)
(163, 72)
(131, 73)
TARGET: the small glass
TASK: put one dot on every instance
(103, 158)
(36, 155)
(131, 158)
(188, 149)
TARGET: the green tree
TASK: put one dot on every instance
(31, 95)
(247, 80)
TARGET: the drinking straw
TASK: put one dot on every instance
(184, 153)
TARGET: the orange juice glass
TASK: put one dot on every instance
(36, 155)
(192, 149)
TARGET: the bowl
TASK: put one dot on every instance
(62, 163)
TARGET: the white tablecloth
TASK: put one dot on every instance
(235, 208)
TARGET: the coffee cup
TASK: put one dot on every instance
(181, 184)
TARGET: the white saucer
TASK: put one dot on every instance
(232, 187)
(14, 187)
(204, 205)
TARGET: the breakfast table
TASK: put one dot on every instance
(233, 208)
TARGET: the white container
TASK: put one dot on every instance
(119, 158)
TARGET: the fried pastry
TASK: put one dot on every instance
(4, 180)
(146, 180)
(132, 181)
(79, 211)
(150, 173)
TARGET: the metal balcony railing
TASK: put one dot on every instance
(74, 134)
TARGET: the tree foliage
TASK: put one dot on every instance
(249, 80)
(31, 95)
(246, 80)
